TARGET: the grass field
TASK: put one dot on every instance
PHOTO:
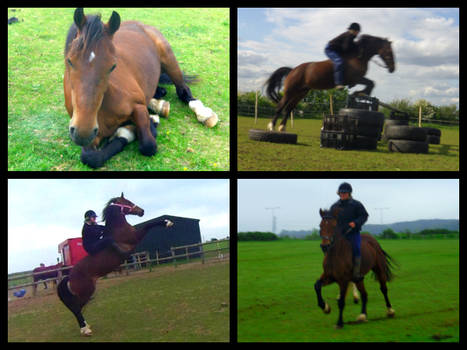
(307, 155)
(189, 303)
(37, 119)
(277, 301)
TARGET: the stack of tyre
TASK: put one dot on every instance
(433, 135)
(406, 139)
(352, 129)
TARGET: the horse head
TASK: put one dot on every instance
(89, 61)
(328, 228)
(386, 54)
(126, 207)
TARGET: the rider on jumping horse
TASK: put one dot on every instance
(339, 46)
(352, 214)
(93, 236)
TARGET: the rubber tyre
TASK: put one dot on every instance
(403, 132)
(391, 122)
(434, 140)
(432, 131)
(407, 146)
(364, 116)
(272, 136)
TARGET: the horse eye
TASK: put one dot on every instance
(69, 62)
(113, 67)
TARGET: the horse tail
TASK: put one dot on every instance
(389, 265)
(189, 79)
(274, 83)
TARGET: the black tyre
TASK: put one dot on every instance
(432, 131)
(403, 132)
(390, 122)
(432, 139)
(364, 116)
(272, 136)
(407, 146)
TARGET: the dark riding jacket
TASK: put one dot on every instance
(92, 234)
(350, 210)
(343, 43)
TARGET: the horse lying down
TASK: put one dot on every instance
(112, 72)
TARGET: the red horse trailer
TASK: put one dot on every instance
(72, 251)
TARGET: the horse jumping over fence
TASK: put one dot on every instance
(111, 78)
(320, 76)
(76, 289)
(337, 265)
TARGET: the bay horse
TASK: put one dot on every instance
(111, 78)
(44, 273)
(320, 76)
(76, 289)
(337, 265)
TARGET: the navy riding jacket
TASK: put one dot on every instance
(343, 43)
(351, 210)
(92, 234)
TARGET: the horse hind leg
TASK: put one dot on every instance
(389, 310)
(74, 305)
(293, 102)
(361, 288)
(280, 106)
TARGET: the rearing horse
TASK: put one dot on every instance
(337, 265)
(111, 78)
(320, 76)
(76, 289)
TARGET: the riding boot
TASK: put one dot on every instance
(357, 277)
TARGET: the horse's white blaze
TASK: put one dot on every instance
(204, 114)
(92, 56)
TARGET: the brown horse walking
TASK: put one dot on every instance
(76, 289)
(320, 76)
(111, 78)
(337, 265)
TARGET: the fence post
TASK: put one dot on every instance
(256, 107)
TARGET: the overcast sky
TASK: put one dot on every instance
(425, 43)
(44, 213)
(300, 200)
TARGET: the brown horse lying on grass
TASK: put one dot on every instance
(111, 79)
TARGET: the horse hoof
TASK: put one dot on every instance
(391, 312)
(327, 309)
(86, 331)
(362, 318)
(212, 121)
(339, 326)
(270, 126)
(281, 128)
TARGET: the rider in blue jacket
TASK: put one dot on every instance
(339, 46)
(352, 216)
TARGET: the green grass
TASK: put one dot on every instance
(184, 304)
(37, 119)
(307, 154)
(277, 301)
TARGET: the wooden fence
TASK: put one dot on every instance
(140, 259)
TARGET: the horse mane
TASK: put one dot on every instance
(90, 34)
(368, 44)
(105, 211)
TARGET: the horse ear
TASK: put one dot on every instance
(321, 212)
(114, 23)
(79, 18)
(122, 195)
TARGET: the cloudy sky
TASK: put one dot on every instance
(300, 200)
(44, 213)
(425, 43)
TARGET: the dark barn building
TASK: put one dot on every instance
(185, 231)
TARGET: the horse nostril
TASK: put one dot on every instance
(72, 130)
(95, 131)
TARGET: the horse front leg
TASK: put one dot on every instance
(323, 281)
(341, 303)
(369, 85)
(142, 120)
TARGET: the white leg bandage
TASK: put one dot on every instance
(204, 114)
(155, 118)
(127, 132)
(159, 107)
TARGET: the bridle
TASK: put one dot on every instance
(123, 207)
(325, 247)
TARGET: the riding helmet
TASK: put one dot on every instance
(354, 26)
(344, 188)
(90, 214)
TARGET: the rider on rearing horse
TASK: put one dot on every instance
(352, 216)
(338, 46)
(94, 239)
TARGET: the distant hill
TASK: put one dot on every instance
(412, 226)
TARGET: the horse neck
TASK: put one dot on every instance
(338, 250)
